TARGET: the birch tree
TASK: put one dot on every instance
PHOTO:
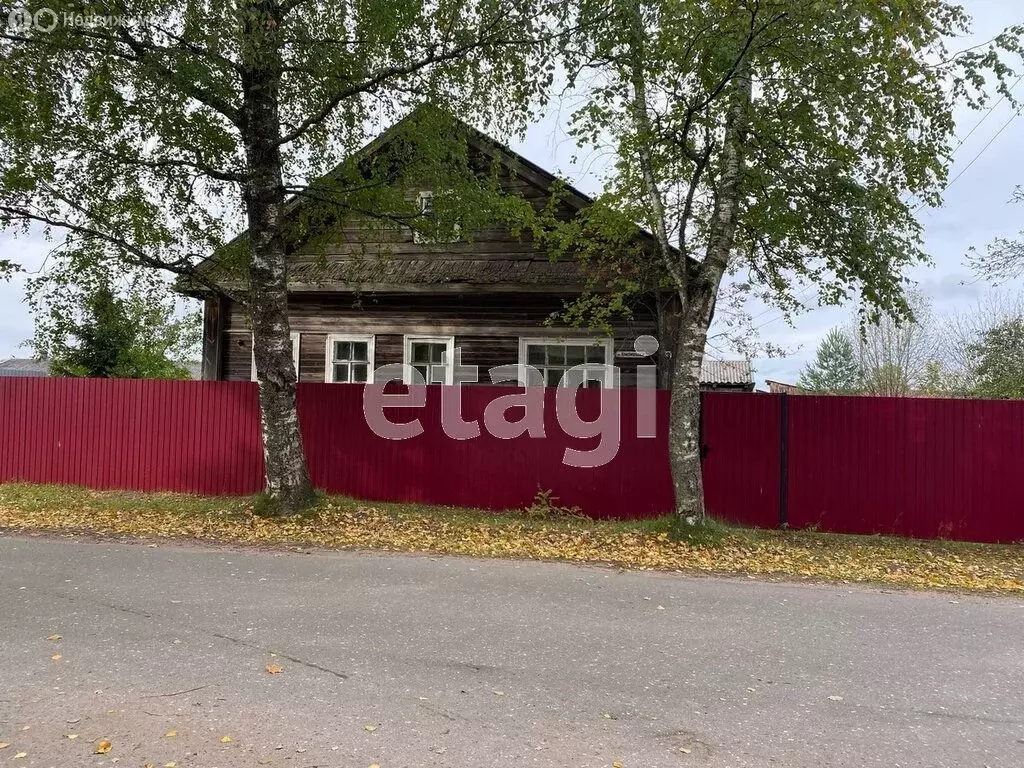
(153, 134)
(783, 138)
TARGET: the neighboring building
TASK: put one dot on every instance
(727, 375)
(781, 388)
(355, 306)
(24, 366)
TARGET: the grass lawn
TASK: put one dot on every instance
(541, 534)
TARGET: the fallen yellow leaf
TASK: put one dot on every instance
(56, 657)
(374, 765)
(370, 728)
(225, 739)
(616, 764)
(20, 755)
(4, 745)
(274, 669)
(72, 735)
(171, 764)
(920, 565)
(53, 637)
(684, 750)
(171, 734)
(103, 747)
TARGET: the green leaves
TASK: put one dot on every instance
(848, 129)
(129, 135)
(90, 325)
(999, 365)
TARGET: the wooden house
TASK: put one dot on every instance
(356, 307)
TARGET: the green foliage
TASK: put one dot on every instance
(848, 129)
(91, 328)
(835, 369)
(999, 366)
(128, 139)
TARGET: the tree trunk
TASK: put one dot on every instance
(289, 489)
(684, 443)
(698, 307)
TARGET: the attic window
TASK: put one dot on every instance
(425, 204)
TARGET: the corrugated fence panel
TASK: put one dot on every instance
(741, 463)
(911, 466)
(486, 471)
(135, 435)
(917, 467)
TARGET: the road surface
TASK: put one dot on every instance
(433, 661)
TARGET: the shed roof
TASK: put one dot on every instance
(726, 372)
(24, 366)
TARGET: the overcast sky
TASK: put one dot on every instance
(976, 210)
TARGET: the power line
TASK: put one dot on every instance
(974, 159)
(984, 117)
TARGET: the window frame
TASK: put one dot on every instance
(296, 339)
(603, 341)
(407, 365)
(421, 197)
(368, 338)
(418, 237)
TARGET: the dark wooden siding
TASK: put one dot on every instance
(372, 238)
(486, 327)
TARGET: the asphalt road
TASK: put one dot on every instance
(419, 661)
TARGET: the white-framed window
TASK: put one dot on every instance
(349, 359)
(555, 357)
(431, 356)
(296, 343)
(425, 205)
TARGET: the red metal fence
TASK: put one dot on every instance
(917, 467)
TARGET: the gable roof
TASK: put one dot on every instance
(457, 267)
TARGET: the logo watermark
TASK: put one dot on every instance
(22, 20)
(521, 413)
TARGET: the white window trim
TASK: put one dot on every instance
(296, 339)
(329, 357)
(448, 341)
(604, 341)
